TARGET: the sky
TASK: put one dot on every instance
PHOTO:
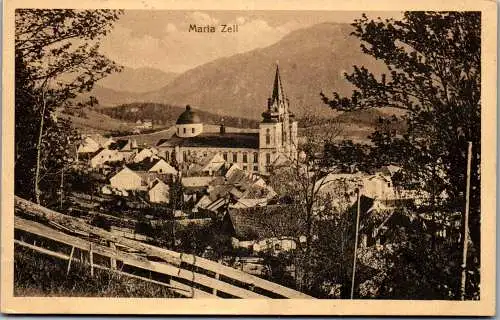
(160, 39)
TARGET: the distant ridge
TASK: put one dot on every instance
(311, 60)
(138, 80)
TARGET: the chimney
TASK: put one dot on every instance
(222, 127)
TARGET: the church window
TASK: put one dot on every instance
(184, 156)
(268, 158)
(184, 130)
(178, 130)
(245, 158)
(255, 168)
(255, 157)
(192, 130)
(224, 155)
(235, 157)
(268, 136)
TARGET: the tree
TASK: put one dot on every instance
(57, 58)
(302, 181)
(433, 59)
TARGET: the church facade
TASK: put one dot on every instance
(275, 142)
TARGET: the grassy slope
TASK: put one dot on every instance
(40, 275)
(96, 122)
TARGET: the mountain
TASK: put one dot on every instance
(137, 80)
(311, 60)
(110, 97)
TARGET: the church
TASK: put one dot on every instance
(255, 152)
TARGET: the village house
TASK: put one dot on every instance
(378, 186)
(123, 145)
(92, 143)
(254, 152)
(159, 192)
(153, 164)
(103, 156)
(238, 189)
(271, 229)
(127, 179)
(145, 153)
(215, 164)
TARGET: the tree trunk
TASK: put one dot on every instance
(39, 152)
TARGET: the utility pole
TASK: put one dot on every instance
(62, 188)
(358, 211)
(466, 223)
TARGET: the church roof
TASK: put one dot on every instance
(277, 99)
(278, 93)
(214, 140)
(188, 117)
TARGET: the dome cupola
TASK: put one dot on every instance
(188, 124)
(188, 117)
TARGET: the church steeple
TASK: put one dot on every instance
(278, 93)
(278, 129)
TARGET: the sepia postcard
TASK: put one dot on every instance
(248, 157)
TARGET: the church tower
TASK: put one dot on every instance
(278, 129)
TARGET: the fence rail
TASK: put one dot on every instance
(189, 275)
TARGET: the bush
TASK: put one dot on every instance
(101, 222)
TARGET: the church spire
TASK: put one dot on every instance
(278, 93)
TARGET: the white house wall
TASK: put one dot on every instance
(159, 194)
(126, 179)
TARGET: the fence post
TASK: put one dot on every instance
(214, 291)
(91, 256)
(112, 260)
(70, 258)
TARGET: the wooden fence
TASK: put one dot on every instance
(73, 239)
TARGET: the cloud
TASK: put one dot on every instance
(128, 49)
(170, 28)
(176, 49)
(240, 20)
(202, 18)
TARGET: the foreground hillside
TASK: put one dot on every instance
(37, 275)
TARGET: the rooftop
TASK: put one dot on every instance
(215, 140)
(265, 222)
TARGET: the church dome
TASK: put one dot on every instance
(188, 117)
